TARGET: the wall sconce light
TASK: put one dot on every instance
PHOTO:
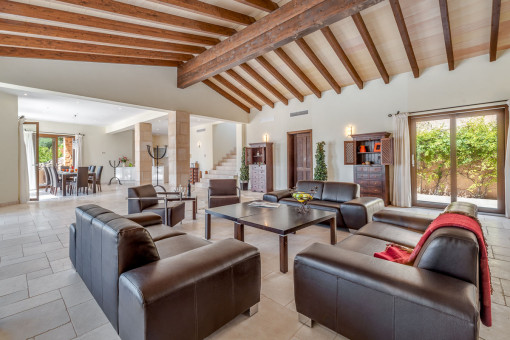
(349, 131)
(199, 144)
(265, 138)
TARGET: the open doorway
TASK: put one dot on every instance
(299, 157)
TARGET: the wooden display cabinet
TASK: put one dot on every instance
(259, 157)
(193, 175)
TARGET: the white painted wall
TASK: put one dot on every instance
(9, 192)
(473, 81)
(204, 153)
(149, 86)
(224, 140)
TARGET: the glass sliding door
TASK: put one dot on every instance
(459, 157)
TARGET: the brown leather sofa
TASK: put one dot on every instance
(352, 211)
(223, 192)
(153, 282)
(348, 290)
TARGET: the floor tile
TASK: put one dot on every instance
(23, 267)
(76, 294)
(65, 332)
(60, 265)
(86, 317)
(41, 248)
(20, 306)
(51, 282)
(13, 284)
(14, 297)
(105, 332)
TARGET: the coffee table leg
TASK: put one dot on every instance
(332, 226)
(195, 209)
(207, 226)
(239, 231)
(284, 254)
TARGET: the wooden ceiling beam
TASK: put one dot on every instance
(263, 5)
(71, 33)
(45, 13)
(238, 92)
(120, 8)
(496, 13)
(299, 73)
(307, 50)
(445, 19)
(250, 87)
(404, 34)
(209, 10)
(226, 94)
(292, 21)
(335, 45)
(70, 46)
(89, 57)
(365, 35)
(278, 76)
(248, 69)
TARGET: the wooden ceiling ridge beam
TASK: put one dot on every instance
(76, 34)
(88, 57)
(70, 46)
(209, 10)
(404, 34)
(496, 14)
(299, 73)
(292, 21)
(248, 69)
(237, 91)
(46, 13)
(264, 5)
(278, 76)
(250, 87)
(365, 35)
(307, 50)
(335, 45)
(226, 94)
(143, 13)
(445, 20)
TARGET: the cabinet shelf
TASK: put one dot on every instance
(361, 153)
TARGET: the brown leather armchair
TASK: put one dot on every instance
(223, 192)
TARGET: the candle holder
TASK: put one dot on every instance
(157, 157)
(115, 165)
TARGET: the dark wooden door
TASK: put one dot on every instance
(303, 156)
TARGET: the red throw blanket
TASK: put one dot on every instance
(404, 255)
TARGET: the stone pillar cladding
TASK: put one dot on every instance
(68, 151)
(143, 162)
(178, 148)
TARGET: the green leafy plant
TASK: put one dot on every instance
(244, 175)
(321, 169)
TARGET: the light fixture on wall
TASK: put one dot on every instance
(199, 144)
(349, 131)
(265, 138)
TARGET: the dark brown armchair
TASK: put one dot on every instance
(223, 192)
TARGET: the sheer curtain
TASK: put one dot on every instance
(78, 149)
(24, 191)
(29, 145)
(402, 166)
(507, 174)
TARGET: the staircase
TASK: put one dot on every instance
(227, 168)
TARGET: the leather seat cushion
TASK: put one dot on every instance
(218, 201)
(326, 205)
(176, 245)
(171, 205)
(161, 231)
(362, 244)
(391, 233)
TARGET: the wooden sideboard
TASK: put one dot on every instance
(259, 156)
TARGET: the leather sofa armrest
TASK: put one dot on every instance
(403, 219)
(275, 196)
(145, 219)
(359, 211)
(183, 292)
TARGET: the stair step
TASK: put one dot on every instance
(225, 167)
(219, 176)
(222, 172)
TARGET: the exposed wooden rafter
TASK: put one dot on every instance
(288, 23)
(237, 91)
(402, 28)
(297, 71)
(250, 87)
(445, 19)
(61, 55)
(248, 69)
(45, 13)
(365, 35)
(226, 94)
(278, 76)
(496, 13)
(209, 10)
(318, 64)
(335, 45)
(264, 5)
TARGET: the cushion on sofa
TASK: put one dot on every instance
(325, 205)
(391, 233)
(161, 231)
(362, 244)
(307, 186)
(176, 245)
(340, 191)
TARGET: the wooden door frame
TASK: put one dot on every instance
(290, 154)
(36, 159)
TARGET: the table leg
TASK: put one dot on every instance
(195, 209)
(239, 231)
(94, 183)
(207, 226)
(284, 254)
(64, 186)
(332, 226)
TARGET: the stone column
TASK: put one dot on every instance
(143, 162)
(178, 149)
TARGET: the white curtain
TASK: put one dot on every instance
(402, 164)
(29, 145)
(24, 189)
(507, 174)
(78, 150)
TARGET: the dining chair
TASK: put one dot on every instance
(56, 183)
(92, 168)
(99, 172)
(48, 178)
(82, 181)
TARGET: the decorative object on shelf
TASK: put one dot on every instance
(115, 165)
(363, 148)
(244, 171)
(157, 157)
(304, 198)
(377, 147)
(194, 174)
(321, 169)
(123, 160)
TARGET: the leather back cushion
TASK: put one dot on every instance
(307, 186)
(108, 245)
(451, 251)
(135, 206)
(340, 191)
(219, 187)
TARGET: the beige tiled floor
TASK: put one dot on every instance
(41, 296)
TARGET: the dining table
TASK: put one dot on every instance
(67, 175)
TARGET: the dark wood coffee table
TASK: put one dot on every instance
(283, 220)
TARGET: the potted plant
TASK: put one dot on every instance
(321, 169)
(124, 160)
(244, 176)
